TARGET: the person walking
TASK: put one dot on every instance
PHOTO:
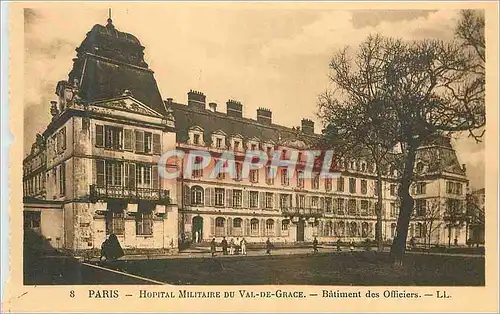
(231, 247)
(338, 245)
(237, 246)
(212, 247)
(243, 246)
(224, 246)
(351, 246)
(269, 246)
(315, 245)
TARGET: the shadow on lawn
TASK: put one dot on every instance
(358, 268)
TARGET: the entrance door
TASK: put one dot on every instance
(197, 229)
(300, 230)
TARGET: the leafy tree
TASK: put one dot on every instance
(431, 219)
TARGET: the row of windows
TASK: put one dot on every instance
(35, 163)
(349, 229)
(144, 218)
(34, 185)
(454, 188)
(249, 227)
(126, 174)
(119, 138)
(237, 198)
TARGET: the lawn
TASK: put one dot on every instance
(358, 268)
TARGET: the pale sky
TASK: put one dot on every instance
(264, 57)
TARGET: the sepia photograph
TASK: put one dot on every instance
(199, 146)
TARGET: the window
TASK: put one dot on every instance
(143, 142)
(340, 184)
(352, 185)
(270, 174)
(269, 200)
(364, 207)
(393, 230)
(393, 212)
(254, 226)
(419, 167)
(197, 195)
(419, 188)
(270, 227)
(144, 221)
(218, 142)
(237, 145)
(364, 187)
(62, 179)
(219, 197)
(116, 223)
(420, 208)
(300, 179)
(198, 173)
(269, 150)
(301, 201)
(351, 207)
(375, 188)
(393, 189)
(285, 180)
(156, 144)
(315, 181)
(237, 223)
(340, 206)
(99, 135)
(254, 175)
(196, 139)
(220, 227)
(113, 137)
(285, 225)
(363, 167)
(453, 188)
(419, 230)
(253, 147)
(284, 201)
(353, 229)
(143, 175)
(254, 199)
(328, 184)
(237, 197)
(315, 202)
(328, 204)
(237, 227)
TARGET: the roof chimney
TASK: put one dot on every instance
(307, 126)
(264, 116)
(196, 100)
(234, 108)
(213, 106)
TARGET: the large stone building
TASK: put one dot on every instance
(94, 170)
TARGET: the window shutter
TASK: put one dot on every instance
(245, 199)
(100, 172)
(212, 226)
(126, 175)
(63, 138)
(156, 144)
(247, 226)
(322, 204)
(296, 200)
(128, 135)
(212, 196)
(229, 226)
(131, 175)
(154, 175)
(262, 227)
(278, 227)
(308, 202)
(229, 198)
(99, 135)
(187, 195)
(139, 141)
(321, 228)
(262, 200)
(276, 204)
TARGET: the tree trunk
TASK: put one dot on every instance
(380, 243)
(406, 208)
(449, 236)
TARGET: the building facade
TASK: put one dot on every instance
(94, 170)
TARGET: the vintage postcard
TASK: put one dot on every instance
(253, 156)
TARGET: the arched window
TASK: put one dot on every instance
(220, 226)
(419, 167)
(419, 232)
(285, 225)
(197, 195)
(254, 226)
(364, 229)
(340, 229)
(353, 229)
(393, 230)
(270, 227)
(237, 227)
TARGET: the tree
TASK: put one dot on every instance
(346, 117)
(474, 217)
(415, 91)
(430, 216)
(454, 215)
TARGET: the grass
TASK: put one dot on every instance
(358, 268)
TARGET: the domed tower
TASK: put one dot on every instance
(110, 62)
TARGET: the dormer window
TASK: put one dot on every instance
(196, 136)
(420, 167)
(219, 143)
(219, 139)
(253, 147)
(196, 139)
(236, 145)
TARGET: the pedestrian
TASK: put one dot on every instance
(351, 246)
(269, 246)
(315, 245)
(338, 245)
(413, 243)
(104, 249)
(231, 247)
(455, 242)
(237, 246)
(224, 246)
(212, 247)
(243, 246)
(113, 249)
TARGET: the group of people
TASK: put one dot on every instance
(233, 247)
